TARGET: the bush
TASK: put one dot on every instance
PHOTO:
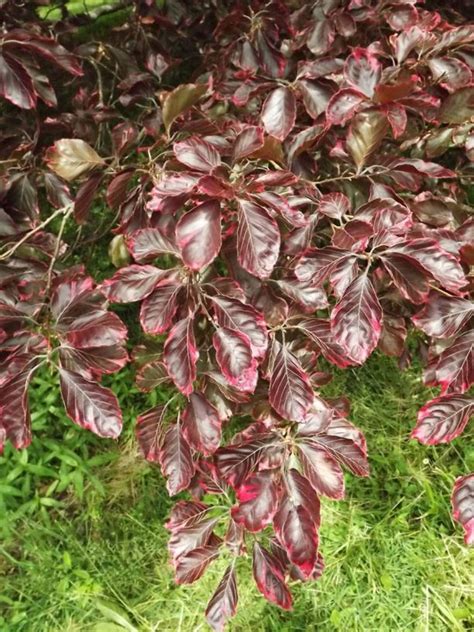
(287, 188)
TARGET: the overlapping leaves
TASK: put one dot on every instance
(302, 196)
(80, 339)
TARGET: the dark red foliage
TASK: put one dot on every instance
(295, 197)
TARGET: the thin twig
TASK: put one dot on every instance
(37, 229)
(440, 290)
(57, 248)
(352, 176)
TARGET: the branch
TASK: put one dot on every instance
(65, 210)
(57, 247)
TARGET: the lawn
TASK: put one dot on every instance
(84, 547)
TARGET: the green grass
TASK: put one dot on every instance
(84, 547)
(92, 8)
(74, 7)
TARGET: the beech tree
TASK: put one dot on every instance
(286, 187)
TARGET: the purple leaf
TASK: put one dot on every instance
(85, 197)
(297, 533)
(443, 419)
(235, 359)
(321, 469)
(443, 317)
(341, 427)
(45, 47)
(235, 462)
(363, 71)
(334, 205)
(454, 369)
(176, 460)
(343, 105)
(97, 330)
(158, 309)
(397, 118)
(214, 187)
(184, 514)
(191, 566)
(269, 577)
(345, 450)
(68, 298)
(90, 405)
(406, 41)
(223, 603)
(296, 522)
(198, 235)
(416, 165)
(440, 264)
(315, 97)
(451, 73)
(190, 528)
(247, 142)
(41, 86)
(308, 296)
(124, 137)
(14, 411)
(356, 321)
(408, 276)
(386, 215)
(321, 37)
(317, 419)
(258, 239)
(303, 141)
(315, 69)
(279, 113)
(344, 272)
(149, 243)
(278, 203)
(93, 362)
(290, 392)
(392, 339)
(231, 313)
(116, 192)
(319, 264)
(258, 501)
(463, 505)
(197, 154)
(133, 283)
(173, 185)
(354, 235)
(300, 492)
(201, 424)
(181, 354)
(15, 83)
(24, 195)
(150, 432)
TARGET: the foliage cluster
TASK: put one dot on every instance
(289, 190)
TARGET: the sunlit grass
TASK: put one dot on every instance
(74, 7)
(395, 560)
